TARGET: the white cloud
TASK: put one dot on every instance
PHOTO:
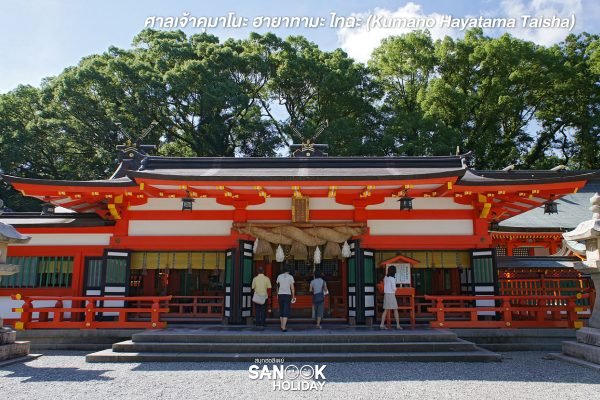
(359, 43)
(541, 8)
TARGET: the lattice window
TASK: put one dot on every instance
(501, 251)
(521, 251)
(330, 267)
(40, 272)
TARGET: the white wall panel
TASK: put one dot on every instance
(7, 304)
(67, 239)
(273, 204)
(422, 203)
(175, 204)
(179, 228)
(452, 227)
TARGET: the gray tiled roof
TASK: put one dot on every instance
(572, 209)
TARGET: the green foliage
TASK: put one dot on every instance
(507, 100)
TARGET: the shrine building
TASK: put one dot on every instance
(199, 228)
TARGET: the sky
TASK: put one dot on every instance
(39, 38)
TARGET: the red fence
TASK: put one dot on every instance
(190, 307)
(508, 311)
(88, 312)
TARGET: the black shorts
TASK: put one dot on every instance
(285, 305)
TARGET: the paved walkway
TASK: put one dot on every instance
(521, 375)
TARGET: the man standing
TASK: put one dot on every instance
(285, 292)
(260, 284)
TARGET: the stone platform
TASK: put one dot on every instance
(9, 347)
(344, 343)
(585, 351)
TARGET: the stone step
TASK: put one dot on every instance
(528, 346)
(582, 351)
(251, 335)
(14, 350)
(70, 346)
(468, 356)
(283, 347)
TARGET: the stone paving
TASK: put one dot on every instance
(521, 375)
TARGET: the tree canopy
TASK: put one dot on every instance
(508, 100)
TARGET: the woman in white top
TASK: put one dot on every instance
(389, 297)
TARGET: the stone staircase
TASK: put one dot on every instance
(298, 344)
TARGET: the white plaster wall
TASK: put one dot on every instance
(327, 203)
(175, 204)
(315, 203)
(422, 203)
(7, 304)
(451, 227)
(67, 239)
(179, 228)
(273, 204)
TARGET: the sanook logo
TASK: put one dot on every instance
(290, 377)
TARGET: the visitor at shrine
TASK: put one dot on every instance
(260, 286)
(286, 296)
(318, 287)
(389, 297)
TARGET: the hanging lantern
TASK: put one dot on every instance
(346, 252)
(317, 255)
(279, 254)
(406, 203)
(48, 209)
(187, 204)
(550, 207)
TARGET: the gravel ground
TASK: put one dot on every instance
(521, 375)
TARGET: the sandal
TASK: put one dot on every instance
(383, 327)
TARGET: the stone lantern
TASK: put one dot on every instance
(9, 348)
(585, 241)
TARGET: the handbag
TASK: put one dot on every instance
(318, 297)
(258, 299)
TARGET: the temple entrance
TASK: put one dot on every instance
(334, 272)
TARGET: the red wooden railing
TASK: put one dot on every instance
(508, 312)
(191, 307)
(84, 312)
(542, 286)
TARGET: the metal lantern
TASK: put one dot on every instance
(187, 204)
(48, 209)
(406, 203)
(550, 207)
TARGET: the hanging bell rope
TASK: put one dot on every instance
(144, 263)
(189, 262)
